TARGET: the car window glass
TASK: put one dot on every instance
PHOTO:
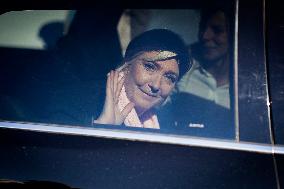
(56, 65)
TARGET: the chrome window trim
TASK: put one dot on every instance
(147, 137)
(266, 77)
(236, 75)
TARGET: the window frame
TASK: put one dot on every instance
(252, 46)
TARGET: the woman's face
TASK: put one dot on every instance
(150, 80)
(214, 37)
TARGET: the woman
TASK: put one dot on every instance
(153, 63)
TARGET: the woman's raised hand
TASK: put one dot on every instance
(111, 113)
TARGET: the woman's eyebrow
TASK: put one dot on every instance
(172, 73)
(161, 59)
(159, 66)
(149, 59)
(152, 61)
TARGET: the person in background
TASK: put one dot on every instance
(201, 103)
(209, 76)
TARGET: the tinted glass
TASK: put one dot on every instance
(59, 75)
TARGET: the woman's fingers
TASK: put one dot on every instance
(107, 115)
(111, 113)
(115, 81)
(111, 81)
(119, 88)
(126, 110)
(108, 86)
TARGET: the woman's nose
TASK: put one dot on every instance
(207, 34)
(154, 89)
(155, 84)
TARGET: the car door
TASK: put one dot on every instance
(105, 156)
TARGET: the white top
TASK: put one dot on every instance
(201, 83)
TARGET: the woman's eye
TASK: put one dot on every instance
(149, 66)
(218, 30)
(171, 78)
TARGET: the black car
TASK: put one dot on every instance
(53, 87)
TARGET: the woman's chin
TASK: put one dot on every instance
(142, 108)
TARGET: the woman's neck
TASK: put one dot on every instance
(140, 111)
(220, 71)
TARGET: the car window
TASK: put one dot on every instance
(55, 70)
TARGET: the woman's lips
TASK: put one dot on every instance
(210, 46)
(149, 94)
